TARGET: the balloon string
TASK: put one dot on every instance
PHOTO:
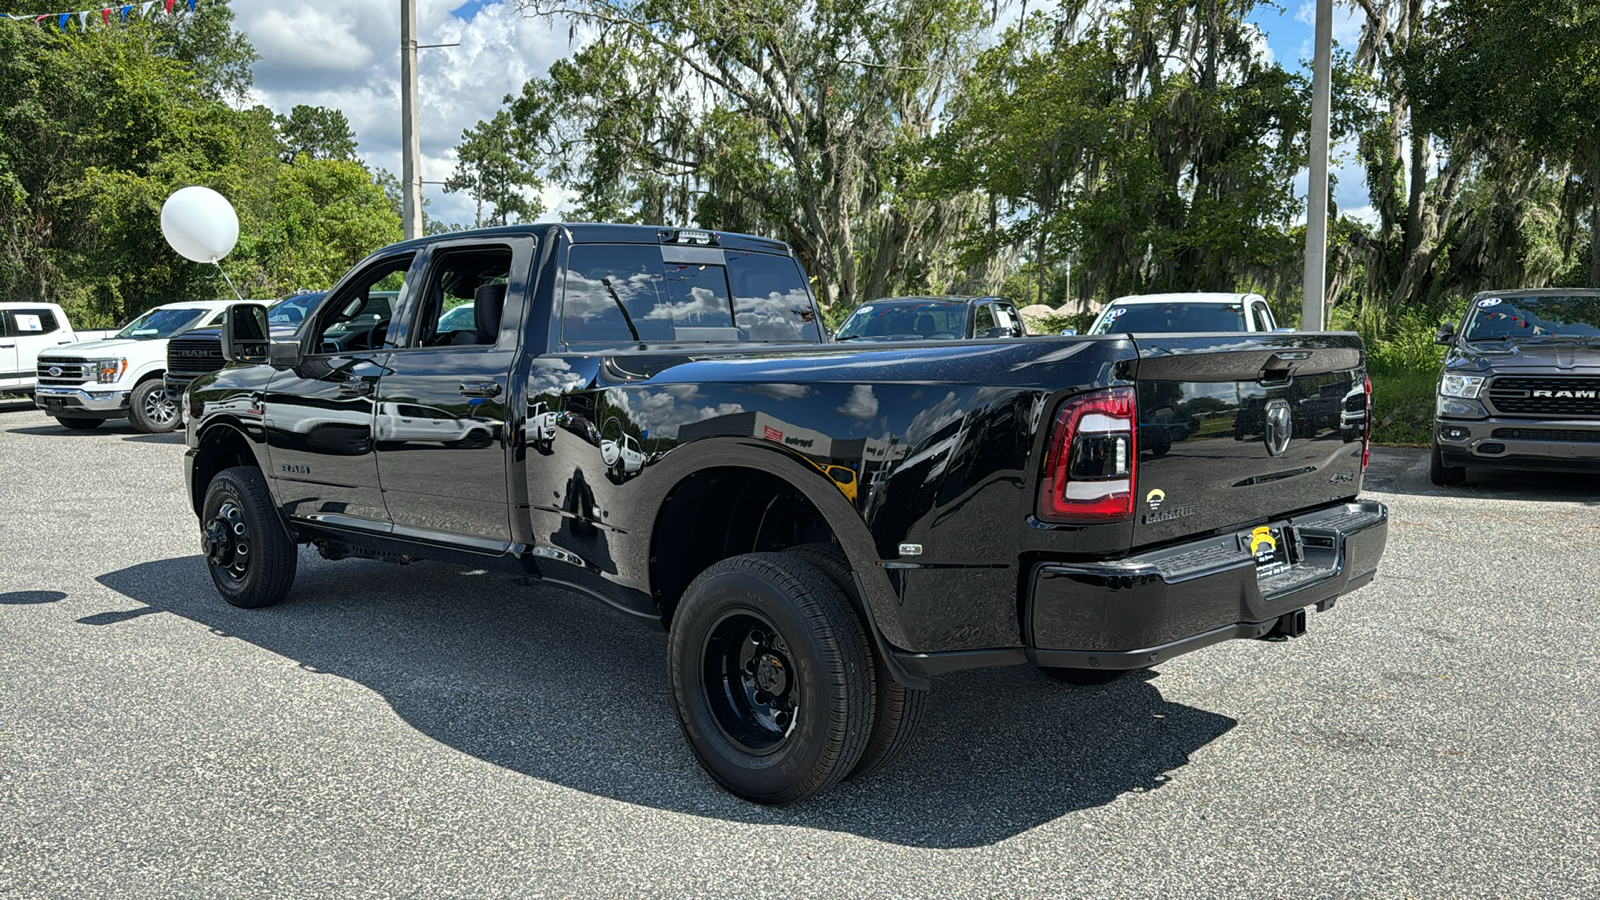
(228, 280)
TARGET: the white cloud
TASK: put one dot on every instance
(1347, 22)
(347, 57)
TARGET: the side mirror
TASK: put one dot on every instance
(1446, 335)
(245, 335)
(999, 331)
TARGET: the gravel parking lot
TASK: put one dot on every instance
(435, 732)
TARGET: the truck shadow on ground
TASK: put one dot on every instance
(557, 687)
(1405, 471)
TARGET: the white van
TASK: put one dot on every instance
(25, 330)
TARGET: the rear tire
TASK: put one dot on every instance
(152, 410)
(772, 677)
(73, 424)
(1443, 475)
(238, 513)
(898, 709)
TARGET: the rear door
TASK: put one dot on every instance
(443, 399)
(1238, 430)
(10, 372)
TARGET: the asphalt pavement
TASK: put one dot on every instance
(430, 731)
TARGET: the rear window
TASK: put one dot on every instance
(23, 322)
(626, 293)
(1180, 318)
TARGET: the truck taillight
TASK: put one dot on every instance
(1093, 454)
(1366, 431)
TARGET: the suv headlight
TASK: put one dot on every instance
(1463, 386)
(107, 371)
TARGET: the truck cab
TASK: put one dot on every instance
(26, 330)
(1185, 312)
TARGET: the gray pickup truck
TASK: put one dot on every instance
(651, 417)
(1520, 387)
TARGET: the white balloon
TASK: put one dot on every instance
(199, 223)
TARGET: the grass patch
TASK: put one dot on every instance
(1402, 405)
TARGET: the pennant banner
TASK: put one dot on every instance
(102, 17)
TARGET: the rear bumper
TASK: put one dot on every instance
(1549, 444)
(81, 403)
(1152, 607)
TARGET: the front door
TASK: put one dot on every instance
(319, 416)
(442, 401)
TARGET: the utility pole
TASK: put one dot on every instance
(410, 141)
(1316, 277)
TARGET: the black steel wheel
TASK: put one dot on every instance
(78, 424)
(1443, 475)
(897, 709)
(772, 676)
(248, 551)
(152, 410)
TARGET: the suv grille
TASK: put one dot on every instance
(1555, 395)
(194, 356)
(67, 372)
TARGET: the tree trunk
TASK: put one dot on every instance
(1594, 218)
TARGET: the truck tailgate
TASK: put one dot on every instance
(1238, 431)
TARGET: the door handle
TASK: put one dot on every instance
(355, 388)
(480, 389)
(6, 346)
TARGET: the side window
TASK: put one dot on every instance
(770, 299)
(32, 322)
(214, 319)
(982, 319)
(1263, 321)
(463, 298)
(5, 324)
(357, 318)
(611, 292)
(1005, 315)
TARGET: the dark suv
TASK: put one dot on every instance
(1521, 385)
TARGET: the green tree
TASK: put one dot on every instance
(785, 117)
(493, 167)
(316, 132)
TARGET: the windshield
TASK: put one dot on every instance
(914, 319)
(1178, 318)
(1521, 318)
(292, 310)
(161, 323)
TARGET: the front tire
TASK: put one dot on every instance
(772, 676)
(152, 410)
(1443, 475)
(898, 710)
(78, 424)
(249, 553)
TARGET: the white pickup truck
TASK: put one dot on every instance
(84, 384)
(26, 330)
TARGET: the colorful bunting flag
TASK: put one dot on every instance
(84, 16)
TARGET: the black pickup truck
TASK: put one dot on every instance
(652, 417)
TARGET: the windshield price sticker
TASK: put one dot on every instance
(1488, 302)
(26, 322)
